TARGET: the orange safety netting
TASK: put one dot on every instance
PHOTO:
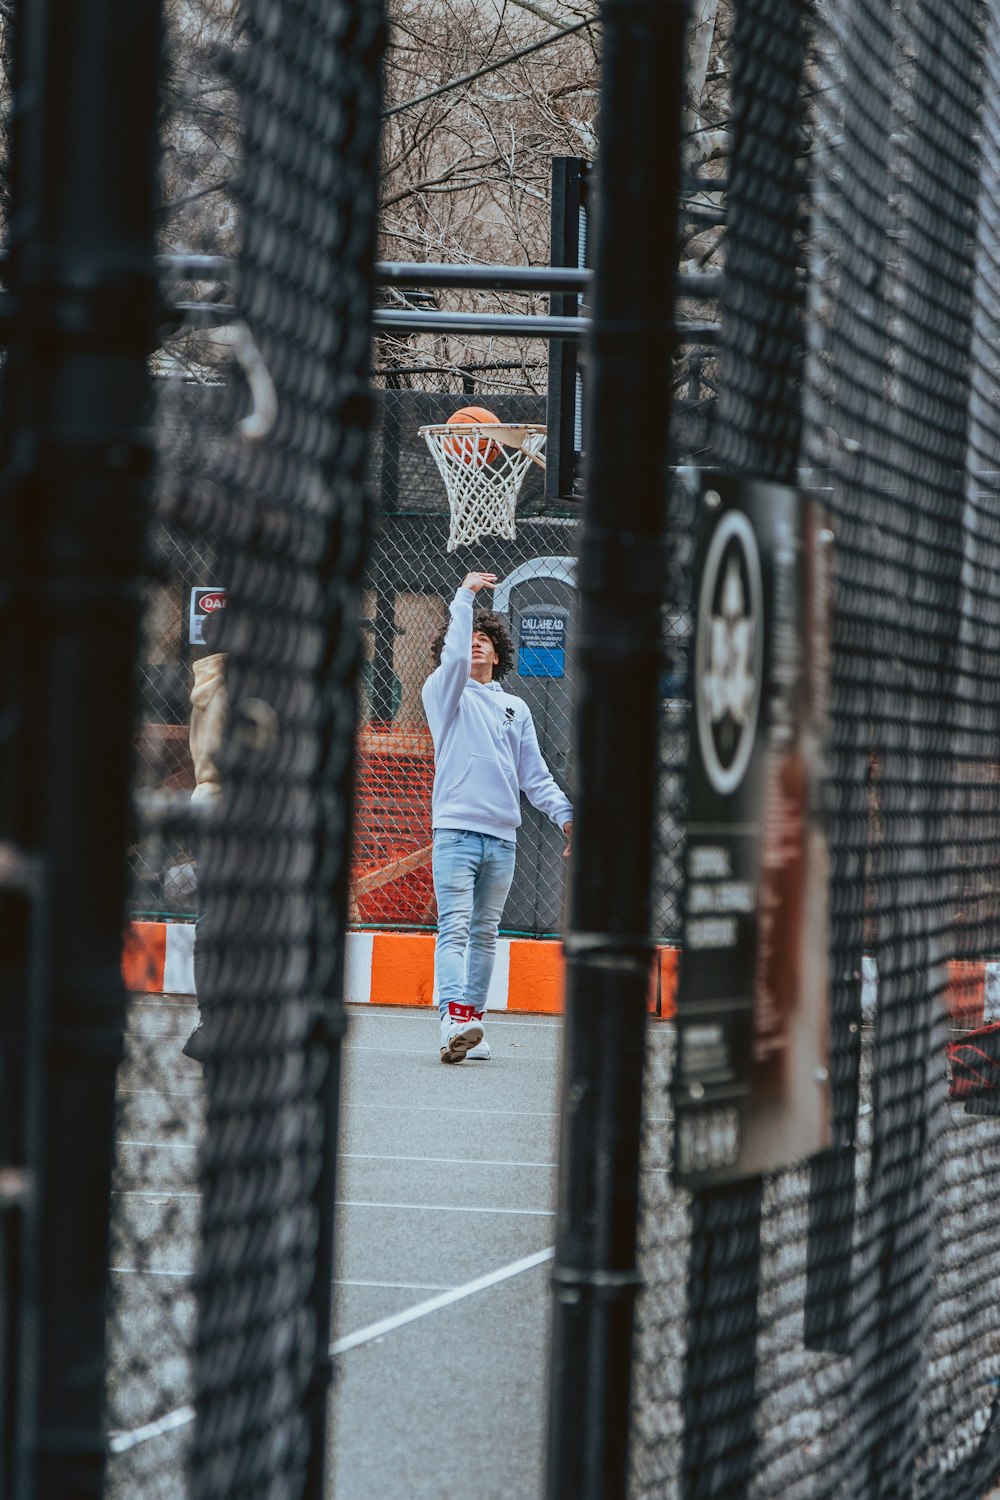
(391, 875)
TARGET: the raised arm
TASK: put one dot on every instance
(443, 689)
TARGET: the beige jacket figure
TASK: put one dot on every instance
(209, 710)
(208, 723)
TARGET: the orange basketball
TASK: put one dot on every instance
(487, 449)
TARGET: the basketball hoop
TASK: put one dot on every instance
(483, 465)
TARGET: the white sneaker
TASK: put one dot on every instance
(458, 1039)
(480, 1053)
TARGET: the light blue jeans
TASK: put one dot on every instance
(472, 876)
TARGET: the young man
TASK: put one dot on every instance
(485, 755)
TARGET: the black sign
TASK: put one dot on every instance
(751, 1089)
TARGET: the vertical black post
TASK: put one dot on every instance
(73, 502)
(569, 180)
(620, 662)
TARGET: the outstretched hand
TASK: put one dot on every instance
(476, 581)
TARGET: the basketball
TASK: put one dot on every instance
(462, 446)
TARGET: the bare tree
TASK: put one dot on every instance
(466, 172)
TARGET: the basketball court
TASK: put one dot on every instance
(446, 1223)
(445, 1219)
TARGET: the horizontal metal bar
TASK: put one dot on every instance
(462, 367)
(184, 267)
(435, 274)
(702, 213)
(196, 267)
(206, 314)
(412, 274)
(506, 325)
(413, 320)
(513, 325)
(483, 278)
(697, 183)
(522, 278)
(699, 283)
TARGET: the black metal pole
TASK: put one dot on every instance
(570, 175)
(400, 321)
(76, 454)
(554, 278)
(504, 325)
(562, 277)
(620, 662)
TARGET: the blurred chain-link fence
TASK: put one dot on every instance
(222, 1233)
(830, 1329)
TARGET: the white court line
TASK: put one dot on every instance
(145, 1271)
(154, 1000)
(122, 1442)
(434, 1109)
(448, 1161)
(444, 1161)
(422, 1109)
(164, 1093)
(450, 1208)
(402, 1286)
(434, 1304)
(162, 1145)
(153, 1193)
(166, 1195)
(392, 1286)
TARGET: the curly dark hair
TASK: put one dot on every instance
(493, 625)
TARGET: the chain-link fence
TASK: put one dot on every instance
(222, 1252)
(411, 579)
(830, 1329)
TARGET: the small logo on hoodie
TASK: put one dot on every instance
(508, 717)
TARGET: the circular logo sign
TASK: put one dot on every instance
(729, 648)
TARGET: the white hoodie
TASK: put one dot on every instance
(485, 747)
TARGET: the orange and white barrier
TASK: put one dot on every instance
(389, 968)
(397, 968)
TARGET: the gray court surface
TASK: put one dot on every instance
(445, 1228)
(447, 1181)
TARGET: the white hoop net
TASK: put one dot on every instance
(483, 465)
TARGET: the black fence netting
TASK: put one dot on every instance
(830, 1328)
(221, 1256)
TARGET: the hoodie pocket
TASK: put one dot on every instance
(485, 787)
